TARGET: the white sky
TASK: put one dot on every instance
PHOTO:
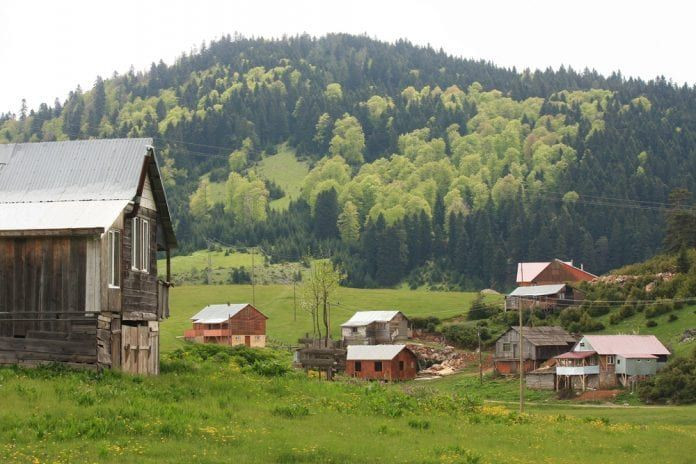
(47, 48)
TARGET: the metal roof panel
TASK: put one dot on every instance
(373, 352)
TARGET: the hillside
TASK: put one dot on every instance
(401, 162)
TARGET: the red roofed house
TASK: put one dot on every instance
(553, 272)
(605, 361)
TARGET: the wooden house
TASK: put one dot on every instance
(547, 297)
(381, 362)
(539, 344)
(375, 327)
(229, 324)
(605, 361)
(81, 223)
(553, 272)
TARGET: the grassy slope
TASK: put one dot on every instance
(285, 170)
(199, 260)
(668, 332)
(276, 301)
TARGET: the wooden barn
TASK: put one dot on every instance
(375, 327)
(539, 344)
(381, 362)
(81, 223)
(229, 324)
(553, 272)
(547, 297)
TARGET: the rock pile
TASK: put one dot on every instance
(442, 361)
(689, 335)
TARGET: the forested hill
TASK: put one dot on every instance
(422, 166)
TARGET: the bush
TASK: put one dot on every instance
(676, 383)
(659, 308)
(464, 336)
(651, 323)
(481, 310)
(672, 318)
(425, 323)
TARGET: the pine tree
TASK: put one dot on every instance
(349, 224)
(326, 214)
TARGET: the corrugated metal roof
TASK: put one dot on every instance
(97, 170)
(215, 314)
(103, 169)
(373, 352)
(636, 356)
(60, 215)
(361, 318)
(538, 290)
(546, 335)
(618, 344)
(576, 355)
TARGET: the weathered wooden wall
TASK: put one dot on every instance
(139, 289)
(248, 321)
(43, 301)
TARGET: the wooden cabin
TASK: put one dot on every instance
(606, 361)
(381, 362)
(539, 344)
(81, 223)
(553, 272)
(375, 327)
(229, 324)
(546, 297)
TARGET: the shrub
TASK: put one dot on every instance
(672, 318)
(464, 336)
(676, 383)
(659, 308)
(651, 323)
(597, 310)
(419, 424)
(481, 310)
(425, 322)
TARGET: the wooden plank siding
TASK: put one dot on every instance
(43, 301)
(138, 288)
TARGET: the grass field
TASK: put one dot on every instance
(217, 412)
(284, 169)
(199, 260)
(276, 301)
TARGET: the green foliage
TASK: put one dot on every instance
(659, 308)
(676, 383)
(348, 140)
(464, 336)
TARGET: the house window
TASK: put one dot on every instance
(114, 258)
(378, 366)
(140, 252)
(610, 359)
(354, 329)
(618, 361)
(358, 366)
(401, 365)
(506, 347)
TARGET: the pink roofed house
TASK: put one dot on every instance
(553, 272)
(605, 361)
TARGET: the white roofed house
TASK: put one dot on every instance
(605, 361)
(375, 327)
(229, 324)
(81, 223)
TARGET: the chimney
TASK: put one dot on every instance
(582, 267)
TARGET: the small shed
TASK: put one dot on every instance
(543, 296)
(636, 364)
(381, 362)
(543, 378)
(229, 324)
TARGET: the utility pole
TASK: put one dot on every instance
(294, 298)
(210, 268)
(521, 361)
(478, 334)
(253, 279)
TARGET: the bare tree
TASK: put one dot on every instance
(317, 291)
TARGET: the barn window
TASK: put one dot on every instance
(140, 252)
(610, 360)
(114, 258)
(378, 366)
(354, 329)
(358, 366)
(506, 347)
(401, 365)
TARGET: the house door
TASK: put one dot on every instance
(247, 340)
(140, 347)
(515, 353)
